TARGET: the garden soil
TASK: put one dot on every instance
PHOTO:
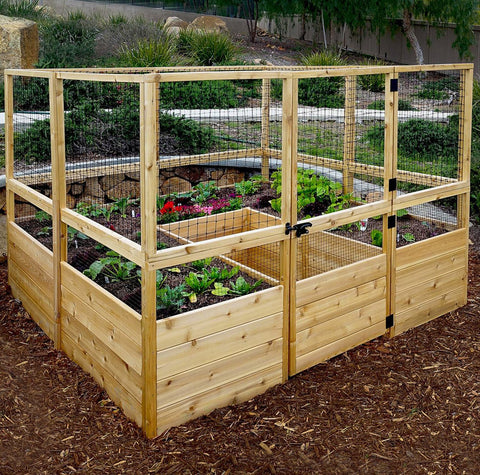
(406, 405)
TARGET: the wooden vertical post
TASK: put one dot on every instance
(8, 84)
(390, 171)
(349, 134)
(59, 229)
(148, 195)
(265, 143)
(289, 215)
(464, 158)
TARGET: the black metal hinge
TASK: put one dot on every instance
(392, 184)
(300, 228)
(392, 221)
(393, 85)
(389, 321)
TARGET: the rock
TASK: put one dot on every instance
(209, 24)
(263, 62)
(76, 189)
(19, 44)
(23, 210)
(71, 201)
(133, 176)
(193, 174)
(174, 25)
(109, 181)
(124, 189)
(175, 185)
(93, 188)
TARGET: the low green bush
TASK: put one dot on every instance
(149, 53)
(206, 48)
(372, 82)
(67, 42)
(403, 105)
(438, 89)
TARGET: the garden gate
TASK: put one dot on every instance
(362, 227)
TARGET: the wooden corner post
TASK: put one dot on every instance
(390, 173)
(59, 229)
(349, 135)
(148, 196)
(10, 197)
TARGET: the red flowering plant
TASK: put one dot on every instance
(169, 212)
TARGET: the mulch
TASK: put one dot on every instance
(406, 405)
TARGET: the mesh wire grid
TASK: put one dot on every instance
(36, 222)
(31, 126)
(428, 128)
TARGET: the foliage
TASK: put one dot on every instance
(67, 42)
(206, 48)
(170, 300)
(249, 187)
(420, 138)
(149, 53)
(242, 287)
(113, 267)
(42, 216)
(373, 82)
(438, 89)
(29, 9)
(377, 237)
(203, 192)
(321, 92)
(311, 188)
(201, 95)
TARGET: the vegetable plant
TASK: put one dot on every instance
(114, 267)
(242, 287)
(377, 237)
(171, 299)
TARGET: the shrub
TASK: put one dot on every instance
(373, 82)
(439, 89)
(91, 128)
(421, 138)
(67, 42)
(206, 48)
(321, 92)
(201, 95)
(149, 53)
(29, 9)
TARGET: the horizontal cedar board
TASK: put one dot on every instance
(430, 309)
(117, 392)
(42, 299)
(340, 346)
(197, 229)
(109, 307)
(36, 252)
(415, 274)
(234, 392)
(340, 246)
(338, 280)
(218, 373)
(414, 296)
(215, 318)
(340, 327)
(219, 345)
(323, 310)
(43, 320)
(116, 340)
(104, 359)
(258, 219)
(436, 246)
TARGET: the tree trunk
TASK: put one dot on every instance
(409, 32)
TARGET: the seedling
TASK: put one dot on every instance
(377, 237)
(170, 300)
(242, 287)
(121, 206)
(42, 216)
(113, 267)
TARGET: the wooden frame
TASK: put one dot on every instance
(165, 372)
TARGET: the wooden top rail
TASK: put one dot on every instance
(145, 75)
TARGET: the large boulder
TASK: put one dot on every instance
(18, 43)
(173, 25)
(209, 24)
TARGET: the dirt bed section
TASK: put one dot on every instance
(406, 405)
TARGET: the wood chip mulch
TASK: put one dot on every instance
(407, 405)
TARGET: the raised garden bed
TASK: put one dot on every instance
(143, 287)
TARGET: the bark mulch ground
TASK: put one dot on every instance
(406, 405)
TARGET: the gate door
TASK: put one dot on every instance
(339, 257)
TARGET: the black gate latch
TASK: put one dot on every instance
(299, 228)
